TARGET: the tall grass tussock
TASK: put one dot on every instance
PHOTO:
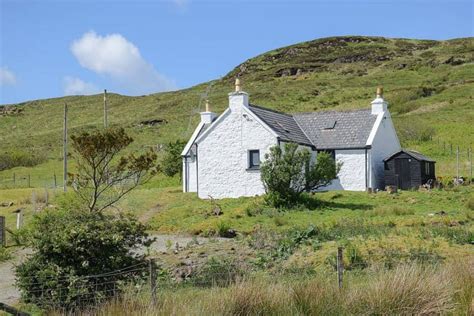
(405, 290)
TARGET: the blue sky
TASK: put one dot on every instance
(54, 48)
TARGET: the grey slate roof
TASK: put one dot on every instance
(284, 125)
(418, 156)
(333, 130)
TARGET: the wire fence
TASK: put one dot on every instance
(16, 180)
(142, 282)
(74, 293)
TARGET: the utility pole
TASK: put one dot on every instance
(65, 148)
(105, 109)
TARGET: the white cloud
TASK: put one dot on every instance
(114, 56)
(7, 77)
(181, 3)
(76, 86)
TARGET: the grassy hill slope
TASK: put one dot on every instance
(428, 84)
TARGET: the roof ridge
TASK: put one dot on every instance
(332, 111)
(269, 110)
(304, 132)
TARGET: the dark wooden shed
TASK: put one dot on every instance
(408, 169)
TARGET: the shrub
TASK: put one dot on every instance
(5, 254)
(458, 235)
(470, 203)
(287, 173)
(220, 272)
(224, 229)
(71, 245)
(413, 130)
(171, 164)
(12, 159)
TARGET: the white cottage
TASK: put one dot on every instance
(223, 156)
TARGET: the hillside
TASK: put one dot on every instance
(429, 86)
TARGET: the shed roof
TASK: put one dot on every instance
(416, 155)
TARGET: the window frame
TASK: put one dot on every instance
(250, 162)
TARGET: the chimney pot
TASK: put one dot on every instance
(207, 106)
(237, 85)
(379, 92)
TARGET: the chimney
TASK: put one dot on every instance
(238, 98)
(208, 116)
(379, 105)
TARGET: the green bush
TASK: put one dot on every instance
(218, 272)
(470, 203)
(68, 247)
(413, 130)
(172, 164)
(287, 173)
(4, 254)
(12, 159)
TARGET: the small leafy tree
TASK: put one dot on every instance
(321, 173)
(288, 172)
(79, 240)
(171, 164)
(104, 175)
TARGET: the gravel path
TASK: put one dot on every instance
(9, 294)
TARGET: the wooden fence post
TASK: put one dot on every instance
(19, 218)
(470, 163)
(340, 266)
(55, 181)
(152, 268)
(457, 165)
(33, 200)
(29, 181)
(3, 241)
(14, 179)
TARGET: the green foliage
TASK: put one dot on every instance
(223, 228)
(413, 130)
(104, 175)
(457, 234)
(354, 257)
(20, 158)
(171, 163)
(288, 172)
(69, 245)
(470, 203)
(321, 173)
(5, 254)
(218, 272)
(282, 174)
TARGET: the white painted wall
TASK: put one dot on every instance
(189, 174)
(352, 174)
(223, 154)
(385, 143)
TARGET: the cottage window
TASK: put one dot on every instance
(254, 159)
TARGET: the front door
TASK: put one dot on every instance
(402, 168)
